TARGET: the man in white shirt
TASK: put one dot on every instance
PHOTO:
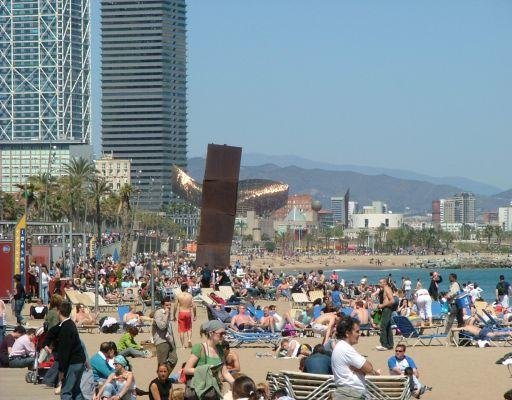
(348, 366)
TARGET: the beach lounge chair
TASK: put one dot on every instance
(304, 386)
(237, 339)
(316, 294)
(409, 333)
(438, 314)
(495, 321)
(102, 304)
(226, 292)
(300, 299)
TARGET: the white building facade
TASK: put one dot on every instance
(373, 221)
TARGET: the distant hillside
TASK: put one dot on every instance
(255, 159)
(399, 194)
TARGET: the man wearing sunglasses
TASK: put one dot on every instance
(399, 362)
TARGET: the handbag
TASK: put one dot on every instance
(190, 393)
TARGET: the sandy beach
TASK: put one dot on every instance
(454, 373)
(342, 261)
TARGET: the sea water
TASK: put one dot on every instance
(486, 278)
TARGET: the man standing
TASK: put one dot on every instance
(502, 290)
(163, 337)
(348, 366)
(185, 307)
(386, 303)
(433, 289)
(71, 355)
(455, 312)
(19, 298)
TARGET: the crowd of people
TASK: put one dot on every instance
(339, 316)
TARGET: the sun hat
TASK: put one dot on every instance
(211, 326)
(119, 359)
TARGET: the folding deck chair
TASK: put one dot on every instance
(495, 322)
(409, 332)
(438, 314)
(236, 339)
(304, 386)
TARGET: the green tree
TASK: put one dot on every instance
(79, 173)
(488, 233)
(498, 231)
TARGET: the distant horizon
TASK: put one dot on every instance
(498, 188)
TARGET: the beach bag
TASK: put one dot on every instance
(108, 325)
(289, 330)
(377, 316)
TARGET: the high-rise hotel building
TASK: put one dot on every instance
(144, 106)
(44, 87)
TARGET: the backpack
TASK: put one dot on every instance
(501, 288)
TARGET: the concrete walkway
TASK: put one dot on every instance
(13, 386)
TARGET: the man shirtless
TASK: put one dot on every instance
(242, 320)
(324, 325)
(362, 314)
(185, 305)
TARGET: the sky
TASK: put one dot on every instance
(422, 86)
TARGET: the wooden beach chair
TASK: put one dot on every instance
(300, 299)
(316, 294)
(102, 304)
(226, 292)
(72, 296)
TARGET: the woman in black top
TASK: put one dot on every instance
(160, 387)
(19, 298)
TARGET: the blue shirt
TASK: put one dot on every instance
(318, 363)
(407, 361)
(101, 369)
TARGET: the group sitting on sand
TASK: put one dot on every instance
(336, 312)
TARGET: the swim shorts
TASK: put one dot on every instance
(184, 321)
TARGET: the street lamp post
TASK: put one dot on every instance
(51, 158)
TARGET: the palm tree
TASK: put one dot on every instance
(98, 189)
(488, 233)
(79, 171)
(10, 208)
(498, 231)
(337, 233)
(126, 222)
(362, 237)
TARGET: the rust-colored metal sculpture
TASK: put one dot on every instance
(218, 205)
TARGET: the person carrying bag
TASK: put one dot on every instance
(206, 365)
